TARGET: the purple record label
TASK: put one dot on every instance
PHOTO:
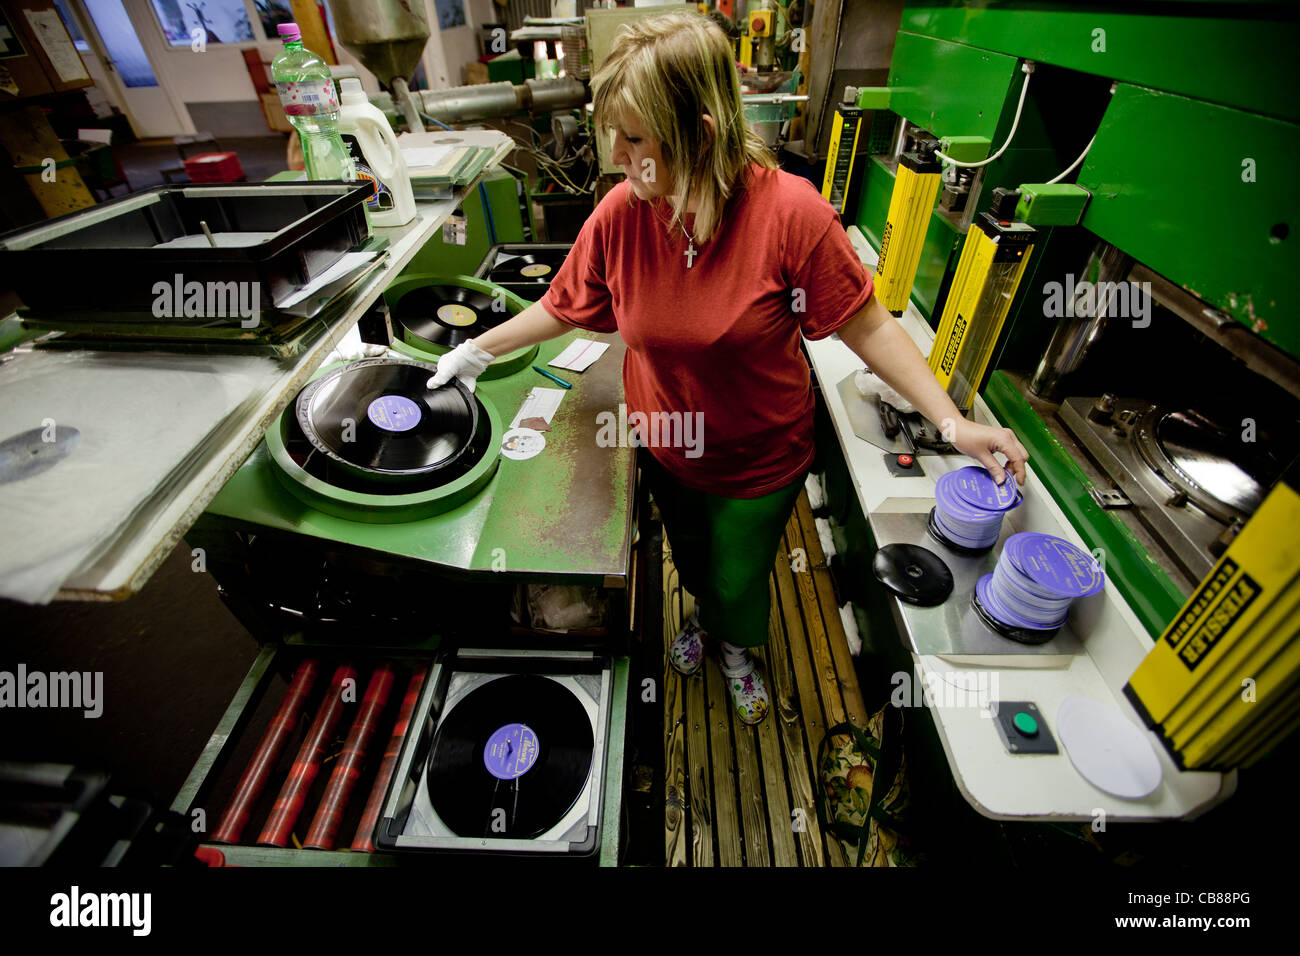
(394, 413)
(974, 485)
(511, 751)
(984, 591)
(1054, 565)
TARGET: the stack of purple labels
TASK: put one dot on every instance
(1036, 578)
(969, 505)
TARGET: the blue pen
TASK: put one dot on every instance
(558, 381)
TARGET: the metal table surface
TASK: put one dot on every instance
(567, 512)
(151, 533)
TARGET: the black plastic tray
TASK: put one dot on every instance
(106, 259)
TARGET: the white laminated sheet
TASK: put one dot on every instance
(141, 418)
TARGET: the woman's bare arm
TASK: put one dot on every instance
(534, 324)
(875, 336)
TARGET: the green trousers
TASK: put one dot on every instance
(724, 549)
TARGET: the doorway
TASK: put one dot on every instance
(127, 65)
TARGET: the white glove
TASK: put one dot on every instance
(466, 362)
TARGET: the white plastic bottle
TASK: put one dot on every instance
(377, 157)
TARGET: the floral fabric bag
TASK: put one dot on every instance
(865, 788)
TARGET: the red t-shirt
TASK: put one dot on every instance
(713, 362)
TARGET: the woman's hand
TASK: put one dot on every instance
(981, 441)
(465, 362)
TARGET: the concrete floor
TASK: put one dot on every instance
(259, 156)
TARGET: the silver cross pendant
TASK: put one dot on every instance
(690, 254)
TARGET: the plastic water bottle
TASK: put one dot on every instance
(302, 79)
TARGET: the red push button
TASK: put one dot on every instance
(905, 461)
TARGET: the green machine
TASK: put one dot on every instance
(440, 585)
(1148, 359)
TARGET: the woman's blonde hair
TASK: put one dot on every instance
(669, 72)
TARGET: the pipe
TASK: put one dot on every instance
(467, 104)
(407, 104)
(347, 770)
(288, 805)
(264, 759)
(362, 840)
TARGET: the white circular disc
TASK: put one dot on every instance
(522, 443)
(1109, 751)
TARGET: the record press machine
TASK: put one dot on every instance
(1084, 219)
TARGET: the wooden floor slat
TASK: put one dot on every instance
(722, 762)
(854, 706)
(738, 795)
(676, 821)
(789, 724)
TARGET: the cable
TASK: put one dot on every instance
(487, 207)
(1074, 165)
(437, 122)
(1028, 68)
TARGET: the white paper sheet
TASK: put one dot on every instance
(541, 403)
(349, 262)
(54, 40)
(421, 156)
(580, 355)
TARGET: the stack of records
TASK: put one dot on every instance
(441, 163)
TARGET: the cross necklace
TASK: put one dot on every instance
(691, 252)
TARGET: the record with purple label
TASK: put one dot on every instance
(377, 417)
(510, 758)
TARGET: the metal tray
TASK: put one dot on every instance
(108, 259)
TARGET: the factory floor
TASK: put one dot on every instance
(143, 162)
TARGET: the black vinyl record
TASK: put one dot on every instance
(510, 759)
(538, 267)
(915, 574)
(379, 417)
(447, 315)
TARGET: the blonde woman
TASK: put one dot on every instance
(711, 263)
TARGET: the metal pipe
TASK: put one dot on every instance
(268, 750)
(548, 94)
(288, 805)
(407, 104)
(362, 840)
(464, 104)
(324, 826)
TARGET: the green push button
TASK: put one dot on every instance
(1025, 724)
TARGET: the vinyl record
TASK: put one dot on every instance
(538, 267)
(378, 417)
(915, 574)
(510, 758)
(447, 315)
